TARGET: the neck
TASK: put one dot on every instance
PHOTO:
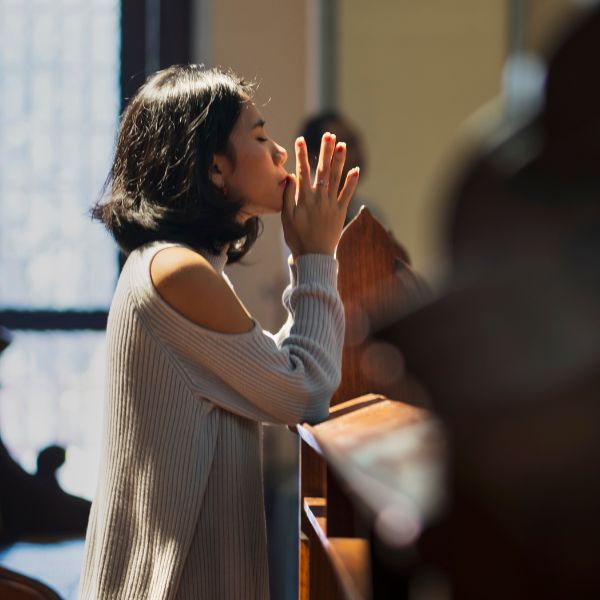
(218, 261)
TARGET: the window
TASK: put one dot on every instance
(59, 105)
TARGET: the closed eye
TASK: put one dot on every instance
(262, 139)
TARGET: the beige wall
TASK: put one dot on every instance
(409, 74)
(262, 39)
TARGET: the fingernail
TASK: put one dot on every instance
(356, 172)
(300, 142)
(341, 147)
(328, 137)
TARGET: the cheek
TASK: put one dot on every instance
(254, 171)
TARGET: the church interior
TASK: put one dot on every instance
(461, 456)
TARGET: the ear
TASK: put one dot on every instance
(217, 170)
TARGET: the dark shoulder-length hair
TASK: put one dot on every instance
(159, 186)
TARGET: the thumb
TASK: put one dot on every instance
(289, 198)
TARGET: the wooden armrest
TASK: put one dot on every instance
(307, 431)
(344, 407)
(383, 453)
(355, 404)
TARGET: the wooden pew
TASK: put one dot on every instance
(510, 356)
(510, 352)
(370, 473)
(15, 586)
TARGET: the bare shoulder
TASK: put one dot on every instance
(189, 284)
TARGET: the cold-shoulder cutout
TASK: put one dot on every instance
(286, 377)
(189, 284)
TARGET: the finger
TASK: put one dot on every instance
(337, 168)
(289, 198)
(349, 188)
(324, 165)
(302, 164)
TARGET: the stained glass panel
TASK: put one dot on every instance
(59, 104)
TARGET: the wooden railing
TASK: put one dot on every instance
(370, 473)
(510, 355)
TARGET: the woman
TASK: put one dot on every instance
(178, 511)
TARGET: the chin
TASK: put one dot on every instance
(271, 206)
(259, 212)
(271, 210)
(279, 206)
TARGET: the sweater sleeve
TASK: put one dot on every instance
(285, 299)
(284, 378)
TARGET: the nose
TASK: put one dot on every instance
(280, 156)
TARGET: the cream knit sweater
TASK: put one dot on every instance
(178, 511)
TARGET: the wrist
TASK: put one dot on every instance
(316, 268)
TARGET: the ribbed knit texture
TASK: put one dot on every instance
(178, 511)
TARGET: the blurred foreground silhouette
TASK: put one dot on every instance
(510, 352)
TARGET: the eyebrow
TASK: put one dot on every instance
(259, 123)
